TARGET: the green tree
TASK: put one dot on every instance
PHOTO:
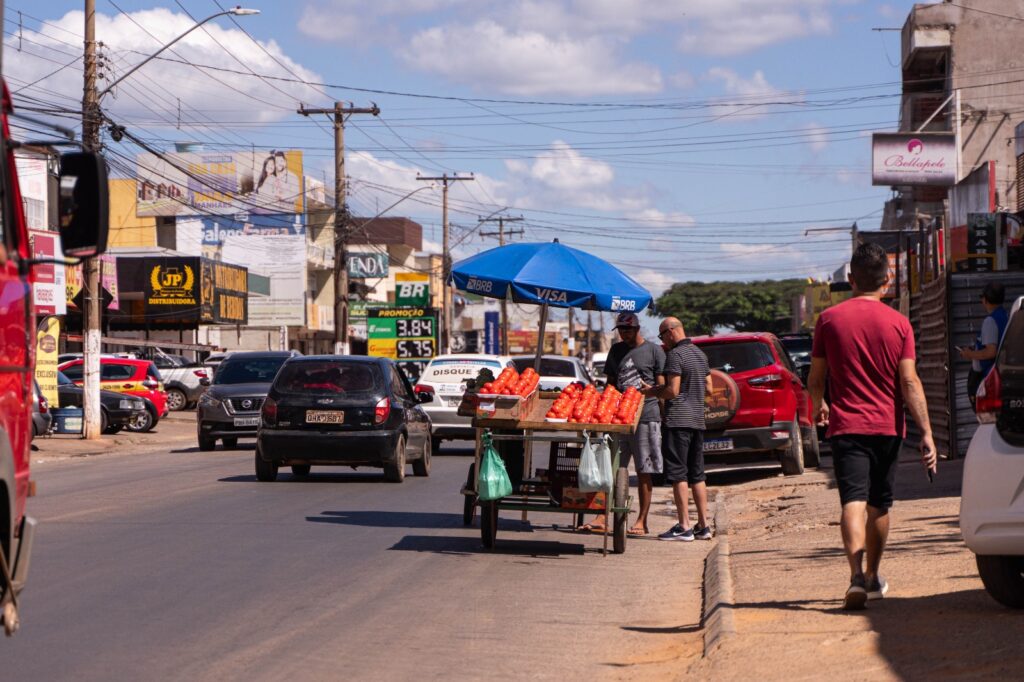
(761, 306)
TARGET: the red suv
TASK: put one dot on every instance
(760, 406)
(126, 375)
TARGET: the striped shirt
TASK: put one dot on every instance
(686, 410)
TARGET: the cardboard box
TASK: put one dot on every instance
(504, 406)
(572, 498)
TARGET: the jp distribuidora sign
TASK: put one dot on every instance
(928, 159)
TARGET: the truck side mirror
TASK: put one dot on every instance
(82, 204)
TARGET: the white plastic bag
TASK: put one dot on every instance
(595, 470)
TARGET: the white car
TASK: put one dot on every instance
(556, 371)
(992, 502)
(445, 378)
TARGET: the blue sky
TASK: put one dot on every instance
(689, 140)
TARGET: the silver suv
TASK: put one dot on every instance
(230, 407)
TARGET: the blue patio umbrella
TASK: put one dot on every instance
(549, 274)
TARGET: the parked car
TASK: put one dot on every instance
(772, 417)
(230, 407)
(214, 359)
(798, 345)
(343, 410)
(117, 410)
(445, 378)
(556, 371)
(597, 365)
(42, 420)
(181, 380)
(139, 378)
(990, 513)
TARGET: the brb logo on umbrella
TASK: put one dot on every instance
(622, 304)
(482, 286)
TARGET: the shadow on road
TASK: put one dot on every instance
(220, 450)
(463, 545)
(314, 477)
(390, 519)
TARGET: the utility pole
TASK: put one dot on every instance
(501, 220)
(572, 334)
(446, 261)
(91, 266)
(590, 328)
(341, 218)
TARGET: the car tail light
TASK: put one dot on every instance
(423, 388)
(989, 399)
(151, 383)
(766, 381)
(381, 411)
(201, 373)
(269, 412)
(44, 405)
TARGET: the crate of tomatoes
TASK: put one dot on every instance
(579, 404)
(510, 396)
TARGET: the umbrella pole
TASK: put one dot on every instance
(540, 337)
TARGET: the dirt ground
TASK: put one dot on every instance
(789, 575)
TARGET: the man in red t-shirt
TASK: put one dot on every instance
(866, 351)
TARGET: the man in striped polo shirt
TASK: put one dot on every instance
(687, 380)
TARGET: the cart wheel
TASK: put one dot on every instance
(621, 518)
(469, 501)
(489, 523)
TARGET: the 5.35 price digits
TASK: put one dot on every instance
(418, 348)
(414, 327)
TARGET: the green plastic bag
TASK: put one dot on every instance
(493, 482)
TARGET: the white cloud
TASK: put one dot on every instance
(746, 94)
(660, 219)
(566, 169)
(152, 93)
(656, 281)
(731, 27)
(682, 80)
(817, 137)
(528, 63)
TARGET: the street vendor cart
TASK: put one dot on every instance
(545, 274)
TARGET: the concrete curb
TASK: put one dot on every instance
(717, 618)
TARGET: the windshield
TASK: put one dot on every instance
(798, 347)
(549, 367)
(329, 377)
(63, 380)
(738, 357)
(248, 371)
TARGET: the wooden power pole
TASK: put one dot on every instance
(500, 234)
(446, 261)
(91, 330)
(341, 218)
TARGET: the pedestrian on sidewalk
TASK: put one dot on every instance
(865, 349)
(636, 362)
(986, 345)
(687, 381)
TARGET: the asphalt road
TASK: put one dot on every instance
(180, 565)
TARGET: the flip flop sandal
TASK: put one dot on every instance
(637, 532)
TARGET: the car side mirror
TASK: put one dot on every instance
(425, 397)
(82, 204)
(204, 381)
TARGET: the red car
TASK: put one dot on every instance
(760, 407)
(125, 375)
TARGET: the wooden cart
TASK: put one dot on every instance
(537, 493)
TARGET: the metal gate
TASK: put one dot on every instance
(966, 313)
(928, 316)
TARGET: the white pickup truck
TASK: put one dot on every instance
(181, 380)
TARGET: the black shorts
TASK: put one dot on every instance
(683, 451)
(865, 468)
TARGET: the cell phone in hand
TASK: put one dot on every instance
(931, 475)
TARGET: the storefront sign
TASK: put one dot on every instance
(171, 282)
(492, 334)
(982, 241)
(928, 159)
(48, 290)
(225, 293)
(46, 358)
(412, 289)
(188, 289)
(367, 265)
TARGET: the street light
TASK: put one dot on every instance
(92, 117)
(237, 11)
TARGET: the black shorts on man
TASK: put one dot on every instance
(865, 468)
(683, 451)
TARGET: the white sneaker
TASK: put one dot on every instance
(876, 588)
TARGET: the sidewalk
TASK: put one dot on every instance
(788, 574)
(174, 431)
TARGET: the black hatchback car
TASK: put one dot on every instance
(341, 410)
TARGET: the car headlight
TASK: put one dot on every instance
(138, 405)
(129, 404)
(207, 400)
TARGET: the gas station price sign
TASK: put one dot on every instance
(403, 334)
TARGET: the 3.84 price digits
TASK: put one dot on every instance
(414, 327)
(415, 348)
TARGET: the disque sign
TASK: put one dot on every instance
(721, 405)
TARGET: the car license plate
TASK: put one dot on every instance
(718, 445)
(247, 421)
(325, 417)
(453, 402)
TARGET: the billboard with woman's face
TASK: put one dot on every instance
(227, 183)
